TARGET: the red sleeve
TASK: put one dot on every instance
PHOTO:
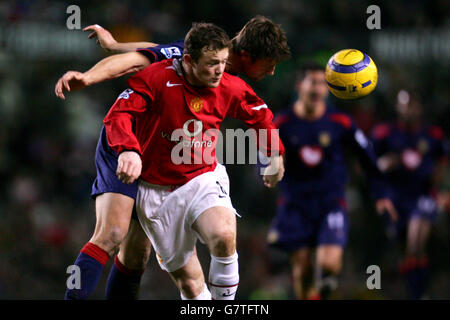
(142, 81)
(254, 112)
(119, 121)
(130, 104)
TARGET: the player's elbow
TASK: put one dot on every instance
(137, 61)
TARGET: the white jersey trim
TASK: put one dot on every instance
(263, 106)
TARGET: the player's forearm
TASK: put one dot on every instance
(122, 47)
(115, 66)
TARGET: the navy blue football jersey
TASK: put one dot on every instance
(416, 153)
(315, 154)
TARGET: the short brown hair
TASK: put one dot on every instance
(308, 66)
(205, 36)
(262, 39)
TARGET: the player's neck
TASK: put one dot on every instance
(188, 76)
(234, 65)
(309, 112)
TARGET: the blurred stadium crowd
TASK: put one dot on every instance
(47, 145)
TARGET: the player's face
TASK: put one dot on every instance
(209, 68)
(259, 68)
(313, 88)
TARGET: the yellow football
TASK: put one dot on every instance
(351, 74)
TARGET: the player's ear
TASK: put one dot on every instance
(188, 60)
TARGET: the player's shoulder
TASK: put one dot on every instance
(233, 83)
(339, 117)
(158, 68)
(435, 132)
(382, 130)
(154, 73)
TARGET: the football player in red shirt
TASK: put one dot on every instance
(133, 171)
(180, 202)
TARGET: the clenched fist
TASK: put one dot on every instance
(129, 166)
(274, 172)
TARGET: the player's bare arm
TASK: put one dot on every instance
(107, 41)
(129, 166)
(109, 68)
(385, 205)
(388, 162)
(274, 172)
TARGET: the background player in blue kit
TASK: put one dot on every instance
(311, 212)
(411, 153)
(257, 48)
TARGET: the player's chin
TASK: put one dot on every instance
(214, 84)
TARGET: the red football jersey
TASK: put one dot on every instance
(170, 113)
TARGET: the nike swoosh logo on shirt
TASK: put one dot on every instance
(173, 84)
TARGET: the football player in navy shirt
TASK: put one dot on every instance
(410, 153)
(312, 212)
(256, 50)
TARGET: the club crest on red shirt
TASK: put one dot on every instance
(196, 104)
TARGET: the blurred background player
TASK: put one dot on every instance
(257, 48)
(311, 212)
(412, 155)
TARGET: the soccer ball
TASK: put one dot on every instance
(351, 74)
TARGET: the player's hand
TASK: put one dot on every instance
(274, 172)
(71, 80)
(385, 205)
(129, 166)
(104, 37)
(388, 162)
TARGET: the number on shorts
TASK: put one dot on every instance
(335, 220)
(426, 204)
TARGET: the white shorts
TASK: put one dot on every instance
(167, 216)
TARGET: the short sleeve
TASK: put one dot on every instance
(163, 51)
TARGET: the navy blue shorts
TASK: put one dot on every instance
(106, 164)
(309, 221)
(413, 207)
